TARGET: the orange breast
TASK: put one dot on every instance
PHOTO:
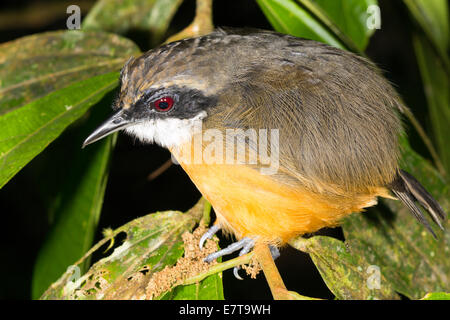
(248, 203)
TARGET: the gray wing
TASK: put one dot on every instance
(337, 116)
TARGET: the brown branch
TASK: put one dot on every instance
(202, 24)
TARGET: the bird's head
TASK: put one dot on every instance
(164, 91)
(214, 78)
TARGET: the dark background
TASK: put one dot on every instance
(129, 194)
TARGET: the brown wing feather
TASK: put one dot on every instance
(337, 116)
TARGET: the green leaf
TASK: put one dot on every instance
(76, 203)
(437, 296)
(210, 288)
(340, 24)
(121, 16)
(436, 86)
(33, 66)
(433, 17)
(28, 130)
(409, 260)
(288, 17)
(346, 274)
(347, 19)
(152, 243)
(431, 48)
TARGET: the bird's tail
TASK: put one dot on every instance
(414, 196)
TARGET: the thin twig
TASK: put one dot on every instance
(426, 141)
(206, 219)
(220, 267)
(156, 173)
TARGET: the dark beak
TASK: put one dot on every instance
(115, 123)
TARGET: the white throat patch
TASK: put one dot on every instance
(168, 132)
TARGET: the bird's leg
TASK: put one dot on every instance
(246, 249)
(245, 245)
(264, 255)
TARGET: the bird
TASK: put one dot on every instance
(333, 120)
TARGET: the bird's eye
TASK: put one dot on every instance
(163, 104)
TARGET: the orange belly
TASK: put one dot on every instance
(250, 204)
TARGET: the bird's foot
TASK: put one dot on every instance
(208, 235)
(246, 249)
(245, 245)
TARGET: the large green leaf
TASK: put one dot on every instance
(433, 17)
(437, 296)
(152, 243)
(28, 130)
(338, 23)
(76, 198)
(436, 86)
(210, 288)
(431, 47)
(388, 243)
(348, 19)
(119, 16)
(286, 16)
(33, 66)
(347, 274)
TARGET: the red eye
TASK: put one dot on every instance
(163, 104)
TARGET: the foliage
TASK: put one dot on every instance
(152, 243)
(58, 80)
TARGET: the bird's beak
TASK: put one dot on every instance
(116, 122)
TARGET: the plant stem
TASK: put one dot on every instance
(244, 259)
(202, 24)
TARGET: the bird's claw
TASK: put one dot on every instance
(273, 250)
(244, 245)
(245, 249)
(230, 249)
(208, 235)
